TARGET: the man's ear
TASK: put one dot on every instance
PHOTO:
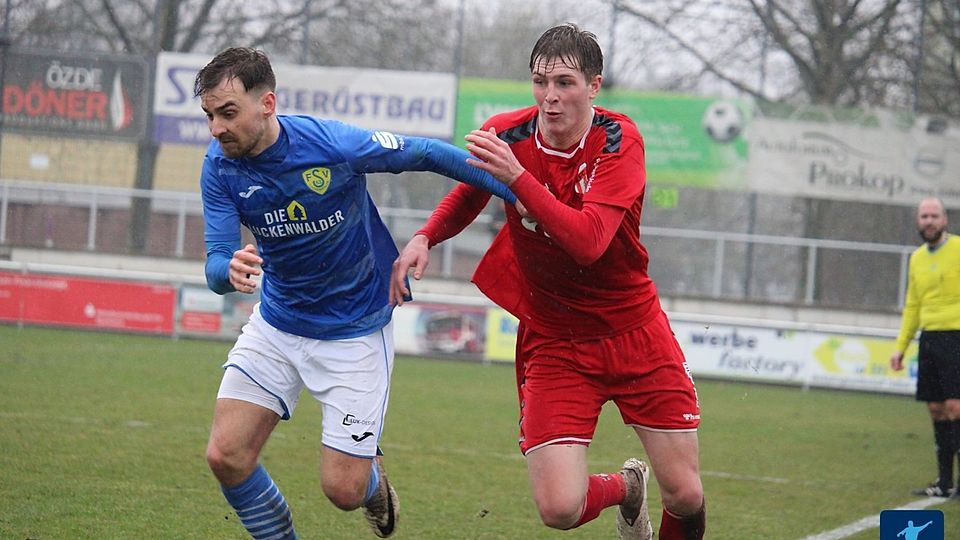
(595, 84)
(268, 101)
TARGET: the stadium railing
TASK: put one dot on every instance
(686, 263)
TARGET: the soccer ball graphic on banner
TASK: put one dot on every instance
(723, 121)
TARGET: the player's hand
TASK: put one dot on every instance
(495, 155)
(896, 361)
(245, 263)
(416, 255)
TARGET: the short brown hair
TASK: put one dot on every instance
(576, 48)
(251, 66)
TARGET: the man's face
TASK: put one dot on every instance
(931, 221)
(237, 118)
(564, 96)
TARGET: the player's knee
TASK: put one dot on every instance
(229, 466)
(684, 500)
(556, 520)
(952, 410)
(938, 411)
(344, 495)
(558, 512)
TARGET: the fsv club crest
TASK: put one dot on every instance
(317, 179)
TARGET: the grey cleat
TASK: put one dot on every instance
(633, 519)
(383, 509)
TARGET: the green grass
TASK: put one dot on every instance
(102, 436)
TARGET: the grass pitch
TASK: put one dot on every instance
(102, 436)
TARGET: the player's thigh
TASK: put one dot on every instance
(240, 428)
(558, 475)
(675, 459)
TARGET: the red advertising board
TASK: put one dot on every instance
(87, 303)
(199, 322)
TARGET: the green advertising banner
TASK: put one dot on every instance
(689, 141)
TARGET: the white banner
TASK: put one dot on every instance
(795, 357)
(407, 102)
(834, 160)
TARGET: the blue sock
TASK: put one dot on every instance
(374, 481)
(261, 507)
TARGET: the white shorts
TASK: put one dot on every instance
(349, 377)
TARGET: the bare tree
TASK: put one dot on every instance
(825, 52)
(498, 39)
(938, 84)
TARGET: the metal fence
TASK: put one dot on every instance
(684, 262)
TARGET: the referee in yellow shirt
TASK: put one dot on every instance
(933, 306)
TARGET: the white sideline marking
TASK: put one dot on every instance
(871, 522)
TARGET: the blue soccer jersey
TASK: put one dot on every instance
(326, 253)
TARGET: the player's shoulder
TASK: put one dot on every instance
(321, 133)
(953, 244)
(618, 131)
(301, 123)
(615, 120)
(514, 119)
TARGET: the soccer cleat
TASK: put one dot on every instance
(633, 519)
(934, 490)
(383, 509)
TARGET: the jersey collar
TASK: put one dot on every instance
(558, 153)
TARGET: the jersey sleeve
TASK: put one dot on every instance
(583, 234)
(221, 228)
(382, 151)
(911, 311)
(458, 209)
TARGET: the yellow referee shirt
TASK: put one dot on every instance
(933, 291)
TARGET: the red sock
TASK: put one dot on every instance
(683, 527)
(603, 490)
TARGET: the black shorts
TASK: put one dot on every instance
(938, 369)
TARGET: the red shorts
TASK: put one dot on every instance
(563, 384)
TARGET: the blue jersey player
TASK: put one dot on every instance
(323, 321)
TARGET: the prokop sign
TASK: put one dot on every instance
(67, 94)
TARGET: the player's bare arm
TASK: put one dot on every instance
(495, 156)
(245, 263)
(415, 255)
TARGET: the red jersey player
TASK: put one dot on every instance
(573, 270)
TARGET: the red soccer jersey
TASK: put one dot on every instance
(527, 272)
